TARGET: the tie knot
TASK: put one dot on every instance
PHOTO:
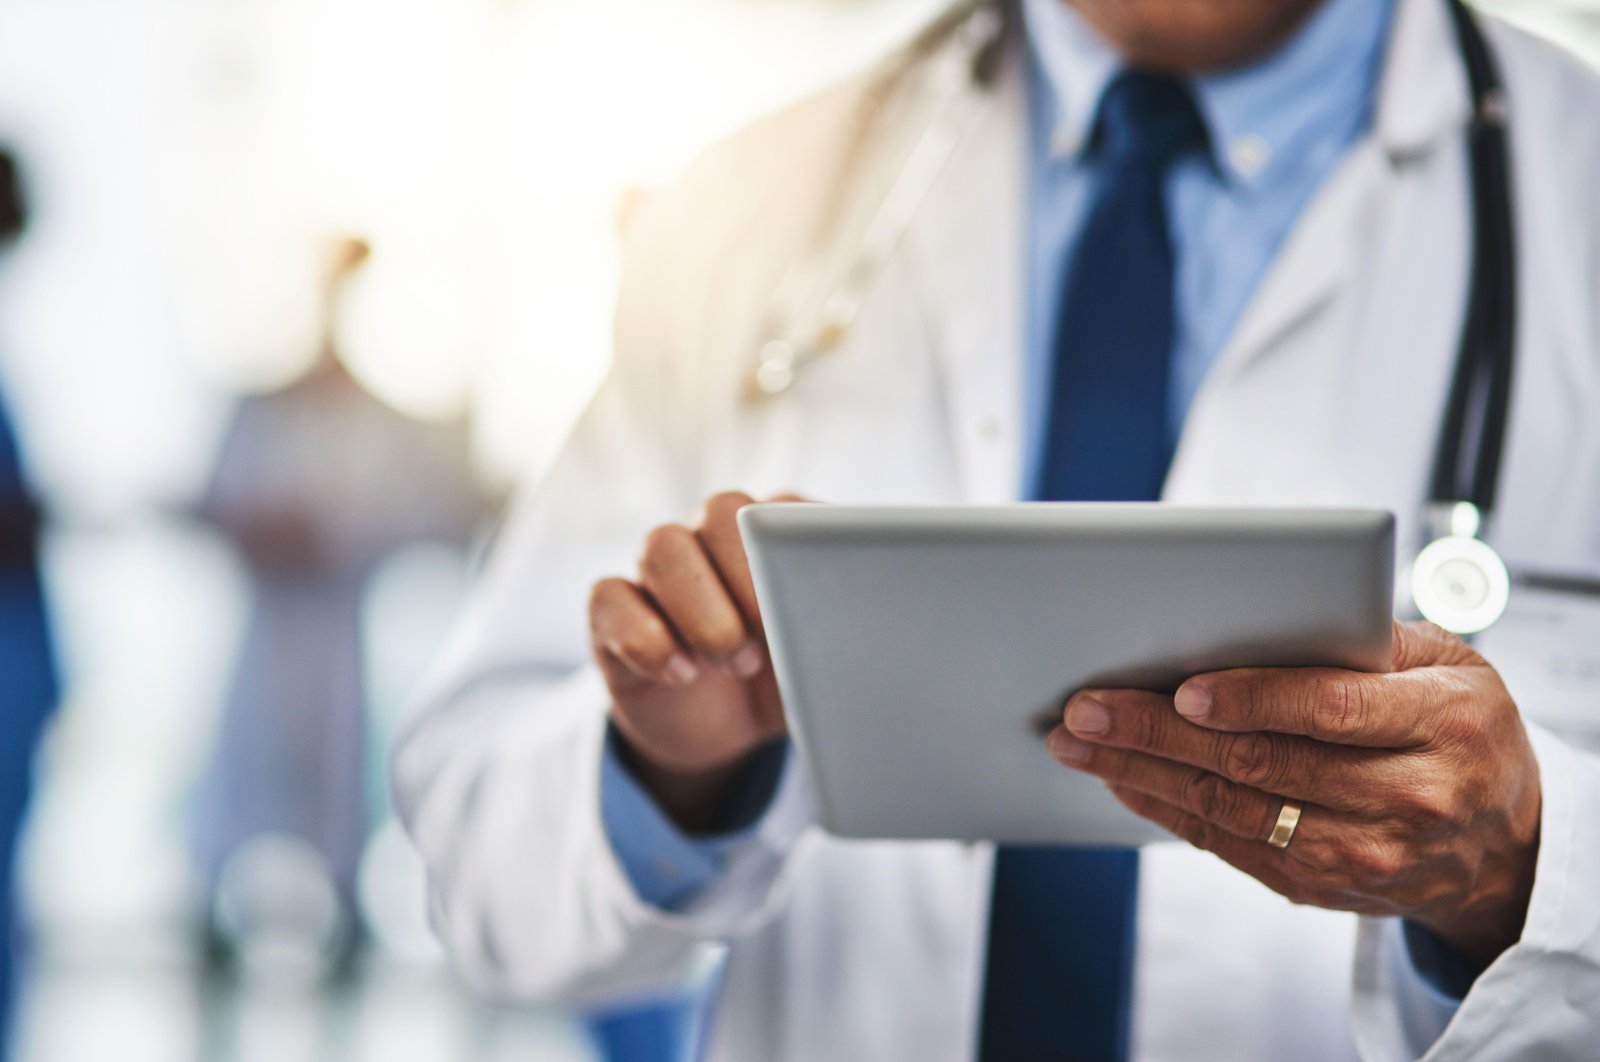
(1149, 118)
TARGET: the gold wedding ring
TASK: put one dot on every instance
(1283, 829)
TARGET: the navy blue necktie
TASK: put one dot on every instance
(1061, 928)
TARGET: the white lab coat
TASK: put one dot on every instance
(1329, 392)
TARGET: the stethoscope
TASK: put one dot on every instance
(1457, 580)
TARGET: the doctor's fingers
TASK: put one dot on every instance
(629, 635)
(1398, 710)
(1322, 866)
(718, 531)
(1109, 722)
(679, 576)
(718, 528)
(1238, 809)
(1333, 853)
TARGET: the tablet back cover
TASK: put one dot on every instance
(923, 653)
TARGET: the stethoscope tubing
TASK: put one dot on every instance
(1480, 391)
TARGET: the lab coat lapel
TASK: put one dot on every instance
(964, 257)
(1313, 265)
(1322, 254)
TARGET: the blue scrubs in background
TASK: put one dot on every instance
(27, 687)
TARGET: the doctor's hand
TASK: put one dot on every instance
(683, 653)
(1419, 788)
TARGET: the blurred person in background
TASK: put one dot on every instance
(28, 682)
(1216, 252)
(315, 485)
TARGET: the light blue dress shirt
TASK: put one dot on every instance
(666, 866)
(1277, 130)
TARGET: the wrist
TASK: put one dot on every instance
(695, 800)
(1492, 922)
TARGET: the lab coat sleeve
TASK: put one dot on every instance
(500, 791)
(499, 780)
(1541, 997)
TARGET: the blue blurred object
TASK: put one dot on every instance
(665, 1030)
(27, 685)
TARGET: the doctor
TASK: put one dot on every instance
(1265, 210)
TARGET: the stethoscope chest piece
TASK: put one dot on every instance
(1460, 583)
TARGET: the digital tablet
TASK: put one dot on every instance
(922, 653)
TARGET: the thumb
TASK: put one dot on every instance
(1428, 645)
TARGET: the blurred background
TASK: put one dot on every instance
(304, 289)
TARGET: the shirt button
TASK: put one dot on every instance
(989, 429)
(1249, 155)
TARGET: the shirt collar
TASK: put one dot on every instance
(1072, 67)
(1309, 96)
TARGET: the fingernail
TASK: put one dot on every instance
(747, 662)
(1192, 702)
(681, 670)
(1085, 715)
(1067, 748)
